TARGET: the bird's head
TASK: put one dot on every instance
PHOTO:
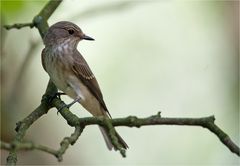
(64, 32)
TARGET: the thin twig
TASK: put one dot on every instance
(57, 153)
(19, 26)
(44, 14)
(27, 146)
(67, 141)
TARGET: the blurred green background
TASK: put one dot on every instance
(177, 57)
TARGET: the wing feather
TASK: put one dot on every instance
(84, 73)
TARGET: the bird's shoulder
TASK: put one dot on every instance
(81, 67)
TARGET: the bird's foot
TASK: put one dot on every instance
(58, 95)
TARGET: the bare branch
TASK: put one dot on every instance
(40, 20)
(19, 26)
(57, 153)
(27, 146)
(132, 121)
(67, 141)
(50, 100)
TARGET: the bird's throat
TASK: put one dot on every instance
(65, 47)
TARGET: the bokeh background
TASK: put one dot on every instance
(177, 57)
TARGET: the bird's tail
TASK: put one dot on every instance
(108, 140)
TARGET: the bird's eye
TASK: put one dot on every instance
(70, 31)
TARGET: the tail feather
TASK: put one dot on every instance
(108, 140)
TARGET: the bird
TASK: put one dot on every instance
(69, 71)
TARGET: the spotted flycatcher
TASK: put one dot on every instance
(69, 71)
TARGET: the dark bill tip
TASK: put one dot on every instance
(85, 37)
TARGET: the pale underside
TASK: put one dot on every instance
(67, 81)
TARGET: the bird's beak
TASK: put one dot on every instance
(85, 37)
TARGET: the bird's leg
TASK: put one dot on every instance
(73, 102)
(70, 104)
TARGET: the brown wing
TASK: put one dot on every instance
(84, 73)
(42, 58)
